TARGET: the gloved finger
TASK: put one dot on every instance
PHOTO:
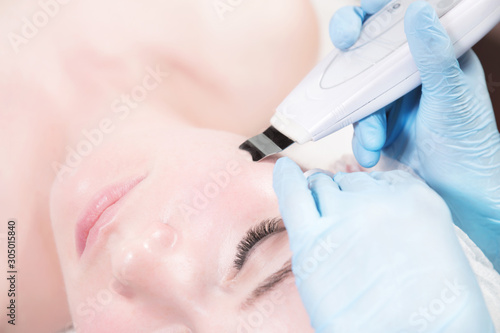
(355, 182)
(325, 192)
(373, 6)
(297, 205)
(366, 158)
(432, 51)
(345, 26)
(371, 131)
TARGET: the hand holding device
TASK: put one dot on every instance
(377, 253)
(445, 130)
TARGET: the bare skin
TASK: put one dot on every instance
(227, 75)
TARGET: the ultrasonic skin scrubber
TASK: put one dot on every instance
(349, 85)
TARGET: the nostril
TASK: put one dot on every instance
(135, 259)
(121, 287)
(161, 239)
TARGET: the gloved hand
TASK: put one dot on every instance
(445, 130)
(377, 253)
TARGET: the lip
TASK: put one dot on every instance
(100, 211)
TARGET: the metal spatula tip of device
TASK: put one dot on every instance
(268, 143)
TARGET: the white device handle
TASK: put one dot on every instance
(350, 85)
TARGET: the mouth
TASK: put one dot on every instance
(100, 211)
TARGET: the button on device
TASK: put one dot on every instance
(394, 7)
(378, 25)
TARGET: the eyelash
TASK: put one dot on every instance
(253, 236)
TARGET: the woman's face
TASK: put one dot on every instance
(166, 261)
(179, 201)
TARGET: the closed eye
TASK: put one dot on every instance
(253, 236)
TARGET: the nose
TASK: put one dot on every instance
(157, 269)
(140, 261)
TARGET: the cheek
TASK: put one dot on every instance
(92, 318)
(291, 314)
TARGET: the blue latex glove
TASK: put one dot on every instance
(377, 253)
(445, 130)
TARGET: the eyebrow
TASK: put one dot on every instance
(269, 283)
